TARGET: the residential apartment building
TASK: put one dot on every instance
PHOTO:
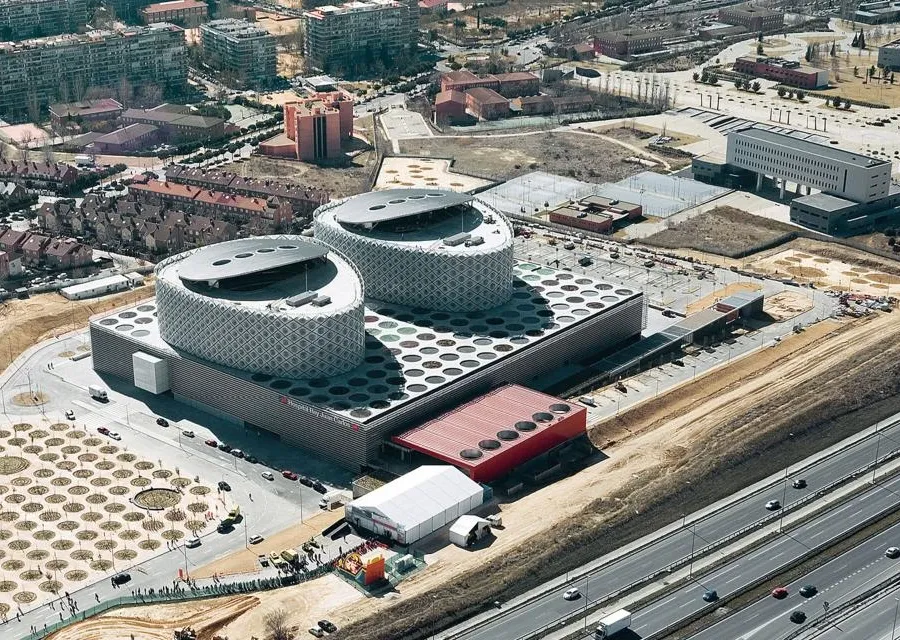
(789, 72)
(314, 129)
(627, 43)
(753, 18)
(337, 37)
(184, 13)
(22, 19)
(40, 72)
(242, 52)
(176, 123)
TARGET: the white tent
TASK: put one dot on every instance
(468, 529)
(414, 505)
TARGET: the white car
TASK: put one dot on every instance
(70, 415)
(892, 552)
(572, 594)
(187, 433)
(267, 475)
(191, 543)
(255, 539)
(114, 435)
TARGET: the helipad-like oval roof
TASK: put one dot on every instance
(246, 256)
(393, 204)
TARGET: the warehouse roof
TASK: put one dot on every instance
(418, 495)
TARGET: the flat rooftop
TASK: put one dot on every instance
(812, 148)
(411, 352)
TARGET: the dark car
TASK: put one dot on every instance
(224, 486)
(162, 422)
(251, 459)
(318, 486)
(710, 596)
(120, 578)
(798, 617)
(224, 447)
(308, 482)
(327, 626)
(103, 430)
(799, 483)
(808, 591)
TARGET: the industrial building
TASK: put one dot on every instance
(877, 12)
(42, 71)
(339, 37)
(23, 19)
(788, 72)
(596, 213)
(242, 52)
(314, 129)
(494, 434)
(102, 286)
(416, 504)
(417, 359)
(184, 13)
(753, 18)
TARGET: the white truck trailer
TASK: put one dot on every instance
(98, 393)
(613, 624)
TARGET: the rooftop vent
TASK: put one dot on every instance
(321, 301)
(301, 299)
(457, 239)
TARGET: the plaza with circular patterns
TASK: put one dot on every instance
(312, 344)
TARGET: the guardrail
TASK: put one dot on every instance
(593, 605)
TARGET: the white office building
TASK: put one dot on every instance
(834, 171)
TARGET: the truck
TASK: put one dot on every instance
(98, 393)
(331, 501)
(290, 556)
(613, 624)
(84, 160)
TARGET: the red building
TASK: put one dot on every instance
(789, 72)
(314, 129)
(596, 213)
(449, 106)
(755, 19)
(495, 433)
(184, 13)
(486, 104)
(627, 43)
(510, 85)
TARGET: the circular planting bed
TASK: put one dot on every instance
(62, 545)
(12, 464)
(157, 499)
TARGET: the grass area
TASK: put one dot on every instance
(501, 158)
(724, 231)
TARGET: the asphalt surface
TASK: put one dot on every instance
(837, 581)
(877, 620)
(543, 610)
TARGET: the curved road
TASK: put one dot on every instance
(531, 616)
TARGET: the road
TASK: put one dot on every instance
(876, 619)
(850, 574)
(537, 613)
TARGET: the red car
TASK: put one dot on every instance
(212, 443)
(103, 430)
(290, 475)
(780, 593)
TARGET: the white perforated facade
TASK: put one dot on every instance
(418, 269)
(257, 331)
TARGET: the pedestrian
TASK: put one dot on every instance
(97, 596)
(60, 616)
(52, 606)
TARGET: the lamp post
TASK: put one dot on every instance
(894, 627)
(877, 445)
(693, 539)
(783, 499)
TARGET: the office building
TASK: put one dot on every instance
(340, 37)
(35, 73)
(789, 72)
(22, 19)
(753, 18)
(314, 129)
(628, 43)
(243, 53)
(184, 13)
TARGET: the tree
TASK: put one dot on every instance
(833, 51)
(872, 71)
(759, 38)
(713, 78)
(781, 92)
(746, 84)
(800, 96)
(759, 49)
(276, 625)
(756, 86)
(696, 76)
(790, 94)
(862, 39)
(738, 84)
(704, 77)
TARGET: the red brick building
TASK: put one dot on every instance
(754, 18)
(510, 85)
(314, 129)
(449, 106)
(787, 72)
(627, 43)
(85, 113)
(596, 213)
(486, 104)
(184, 13)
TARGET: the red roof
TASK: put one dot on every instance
(491, 435)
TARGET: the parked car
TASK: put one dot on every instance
(892, 552)
(290, 475)
(224, 486)
(572, 594)
(325, 625)
(263, 560)
(255, 539)
(587, 400)
(316, 632)
(162, 422)
(318, 486)
(121, 578)
(103, 430)
(70, 415)
(237, 453)
(267, 475)
(799, 483)
(192, 543)
(113, 435)
(211, 442)
(305, 481)
(773, 505)
(187, 433)
(225, 447)
(779, 593)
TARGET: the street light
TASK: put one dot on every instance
(894, 627)
(875, 462)
(783, 499)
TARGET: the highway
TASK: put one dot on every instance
(876, 619)
(537, 613)
(767, 619)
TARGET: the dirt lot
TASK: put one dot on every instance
(505, 157)
(828, 272)
(724, 231)
(708, 301)
(641, 135)
(24, 323)
(787, 304)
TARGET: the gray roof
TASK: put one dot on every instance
(393, 204)
(812, 148)
(825, 202)
(243, 257)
